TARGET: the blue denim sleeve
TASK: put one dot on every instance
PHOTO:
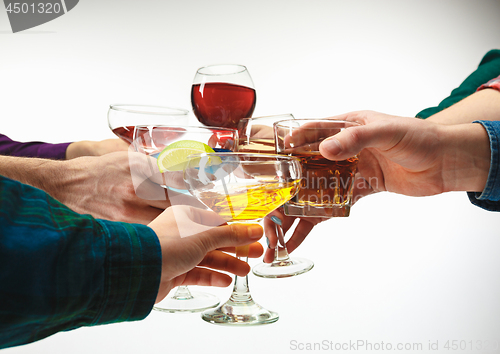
(489, 199)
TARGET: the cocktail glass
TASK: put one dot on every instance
(256, 135)
(244, 188)
(151, 140)
(122, 118)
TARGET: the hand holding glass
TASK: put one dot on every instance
(150, 141)
(327, 186)
(256, 135)
(242, 187)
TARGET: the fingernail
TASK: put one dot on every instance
(332, 146)
(276, 220)
(267, 241)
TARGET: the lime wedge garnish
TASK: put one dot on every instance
(175, 156)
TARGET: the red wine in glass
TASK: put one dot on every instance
(125, 133)
(221, 95)
(221, 104)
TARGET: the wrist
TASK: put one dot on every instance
(466, 157)
(77, 149)
(69, 182)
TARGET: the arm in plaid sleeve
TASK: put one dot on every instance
(60, 270)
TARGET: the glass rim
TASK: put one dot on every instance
(186, 127)
(248, 154)
(271, 116)
(204, 69)
(154, 109)
(305, 120)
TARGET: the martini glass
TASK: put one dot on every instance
(151, 140)
(243, 188)
(122, 118)
(256, 135)
(223, 94)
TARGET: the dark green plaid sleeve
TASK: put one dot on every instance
(60, 270)
(488, 69)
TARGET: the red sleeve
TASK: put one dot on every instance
(493, 84)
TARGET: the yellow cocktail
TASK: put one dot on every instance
(242, 187)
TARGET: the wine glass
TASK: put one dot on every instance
(223, 94)
(122, 118)
(150, 141)
(256, 135)
(243, 188)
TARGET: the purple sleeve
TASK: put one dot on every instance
(32, 149)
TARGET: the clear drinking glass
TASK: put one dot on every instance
(327, 186)
(256, 135)
(223, 94)
(122, 118)
(242, 188)
(151, 141)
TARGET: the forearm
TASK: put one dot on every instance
(94, 148)
(465, 157)
(36, 172)
(65, 181)
(482, 105)
(488, 69)
(77, 183)
(61, 270)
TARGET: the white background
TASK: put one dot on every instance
(399, 269)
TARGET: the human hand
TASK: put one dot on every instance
(193, 248)
(94, 148)
(411, 156)
(303, 228)
(104, 187)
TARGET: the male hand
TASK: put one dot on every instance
(411, 156)
(194, 245)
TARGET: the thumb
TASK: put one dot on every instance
(352, 140)
(343, 145)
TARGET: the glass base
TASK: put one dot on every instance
(240, 314)
(317, 211)
(283, 269)
(194, 302)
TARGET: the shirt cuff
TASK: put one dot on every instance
(491, 192)
(492, 84)
(53, 151)
(133, 272)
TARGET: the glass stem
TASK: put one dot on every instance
(182, 293)
(281, 256)
(241, 291)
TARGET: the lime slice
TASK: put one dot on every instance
(174, 156)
